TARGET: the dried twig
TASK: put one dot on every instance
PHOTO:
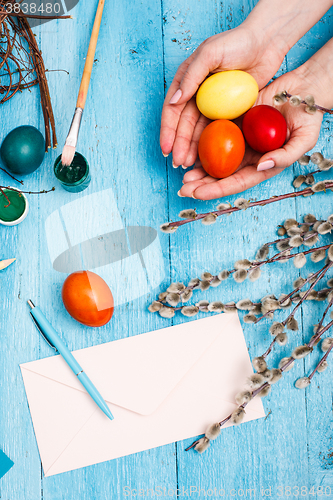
(22, 63)
(26, 192)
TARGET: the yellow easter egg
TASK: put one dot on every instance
(227, 94)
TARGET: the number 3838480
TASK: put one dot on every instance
(304, 491)
(38, 8)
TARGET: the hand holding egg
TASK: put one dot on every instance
(241, 48)
(302, 134)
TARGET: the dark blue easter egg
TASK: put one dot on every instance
(23, 150)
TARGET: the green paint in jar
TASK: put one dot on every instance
(15, 210)
(74, 177)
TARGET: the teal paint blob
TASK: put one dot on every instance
(23, 150)
(16, 208)
(5, 464)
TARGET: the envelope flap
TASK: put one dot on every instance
(55, 430)
(139, 372)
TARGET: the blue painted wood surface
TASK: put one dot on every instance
(140, 47)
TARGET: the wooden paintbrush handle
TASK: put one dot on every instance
(83, 91)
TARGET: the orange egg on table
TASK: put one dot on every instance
(87, 298)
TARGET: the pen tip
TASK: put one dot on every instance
(108, 413)
(30, 303)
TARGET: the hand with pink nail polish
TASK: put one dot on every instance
(302, 131)
(257, 46)
(182, 123)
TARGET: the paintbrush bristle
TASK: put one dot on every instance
(67, 155)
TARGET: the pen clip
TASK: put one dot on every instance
(42, 333)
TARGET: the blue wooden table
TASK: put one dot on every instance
(140, 47)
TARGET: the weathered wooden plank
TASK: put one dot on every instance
(19, 341)
(318, 397)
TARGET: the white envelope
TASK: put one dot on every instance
(161, 386)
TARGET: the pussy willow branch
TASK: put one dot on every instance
(320, 324)
(266, 384)
(281, 255)
(321, 273)
(273, 199)
(319, 334)
(320, 362)
(225, 420)
(320, 108)
(293, 292)
(315, 172)
(323, 165)
(308, 224)
(276, 258)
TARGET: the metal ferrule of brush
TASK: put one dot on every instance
(74, 128)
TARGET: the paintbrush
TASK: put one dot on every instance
(71, 141)
(6, 263)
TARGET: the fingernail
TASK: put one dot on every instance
(194, 197)
(180, 195)
(175, 98)
(183, 166)
(265, 165)
(165, 156)
(174, 166)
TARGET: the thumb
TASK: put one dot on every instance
(285, 156)
(196, 72)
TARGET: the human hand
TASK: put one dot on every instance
(302, 134)
(243, 48)
(257, 46)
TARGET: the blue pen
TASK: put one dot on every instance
(53, 339)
